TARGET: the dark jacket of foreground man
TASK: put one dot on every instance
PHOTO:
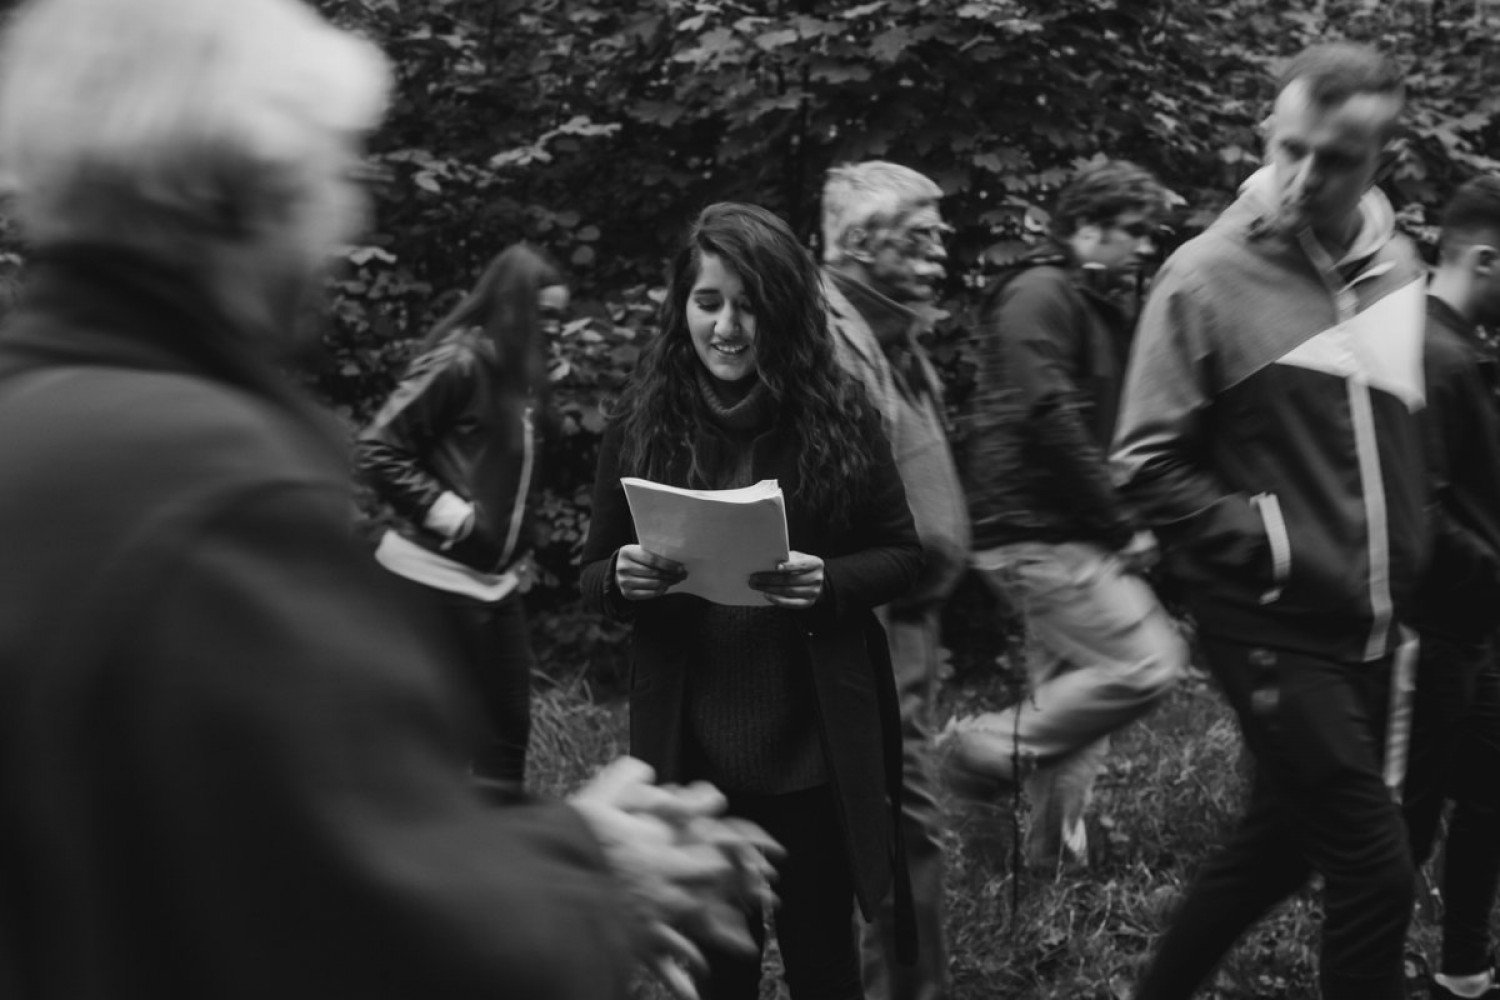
(229, 759)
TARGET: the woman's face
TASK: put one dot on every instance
(551, 309)
(720, 322)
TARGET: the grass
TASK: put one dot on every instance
(1171, 791)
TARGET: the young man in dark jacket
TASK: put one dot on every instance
(1455, 748)
(1049, 529)
(1269, 435)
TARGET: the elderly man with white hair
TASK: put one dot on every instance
(883, 259)
(228, 758)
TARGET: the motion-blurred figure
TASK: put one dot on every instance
(228, 755)
(1050, 531)
(883, 257)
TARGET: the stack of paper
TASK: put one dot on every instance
(719, 536)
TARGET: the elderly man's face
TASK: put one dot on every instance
(907, 259)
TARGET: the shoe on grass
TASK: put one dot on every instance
(1437, 991)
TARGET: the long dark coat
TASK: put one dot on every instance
(229, 759)
(872, 559)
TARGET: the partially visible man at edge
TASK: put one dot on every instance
(1455, 737)
(883, 256)
(1269, 435)
(229, 761)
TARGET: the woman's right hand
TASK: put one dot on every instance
(642, 575)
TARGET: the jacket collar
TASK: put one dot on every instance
(86, 304)
(1439, 311)
(888, 319)
(1255, 210)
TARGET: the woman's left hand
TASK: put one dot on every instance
(795, 583)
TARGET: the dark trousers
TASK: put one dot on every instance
(1318, 804)
(915, 644)
(816, 891)
(1455, 755)
(498, 662)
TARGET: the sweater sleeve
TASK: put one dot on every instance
(296, 734)
(885, 558)
(610, 528)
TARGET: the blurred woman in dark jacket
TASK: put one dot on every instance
(453, 452)
(788, 707)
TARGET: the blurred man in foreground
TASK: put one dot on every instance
(228, 762)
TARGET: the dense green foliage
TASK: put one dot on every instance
(598, 129)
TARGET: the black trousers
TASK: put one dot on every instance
(1318, 804)
(500, 662)
(818, 948)
(491, 645)
(1455, 756)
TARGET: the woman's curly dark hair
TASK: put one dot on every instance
(817, 405)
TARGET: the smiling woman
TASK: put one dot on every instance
(789, 707)
(721, 322)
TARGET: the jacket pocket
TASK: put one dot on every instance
(1269, 509)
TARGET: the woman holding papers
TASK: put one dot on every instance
(788, 706)
(453, 452)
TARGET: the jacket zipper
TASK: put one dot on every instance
(523, 488)
(1366, 450)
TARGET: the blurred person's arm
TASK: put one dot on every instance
(611, 528)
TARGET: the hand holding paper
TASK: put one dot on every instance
(710, 543)
(795, 583)
(642, 575)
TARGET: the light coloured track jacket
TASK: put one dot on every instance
(1268, 430)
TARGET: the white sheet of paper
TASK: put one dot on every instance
(719, 536)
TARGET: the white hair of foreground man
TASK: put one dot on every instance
(871, 195)
(173, 125)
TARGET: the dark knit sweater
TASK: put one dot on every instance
(751, 718)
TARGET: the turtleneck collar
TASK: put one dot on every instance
(736, 406)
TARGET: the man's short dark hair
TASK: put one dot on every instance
(1101, 192)
(1473, 216)
(1337, 71)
